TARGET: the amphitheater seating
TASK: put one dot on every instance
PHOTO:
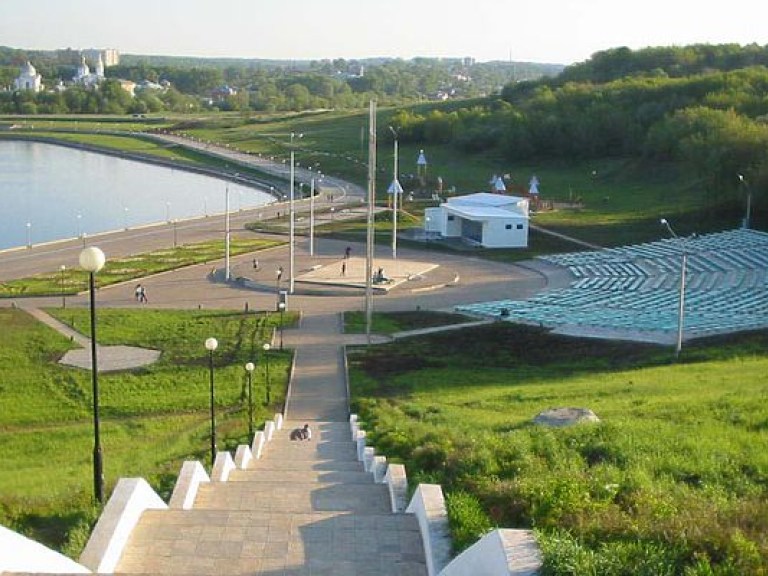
(636, 288)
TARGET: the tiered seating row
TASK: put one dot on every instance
(636, 288)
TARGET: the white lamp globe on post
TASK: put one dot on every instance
(211, 344)
(266, 347)
(92, 260)
(249, 368)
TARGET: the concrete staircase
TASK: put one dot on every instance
(303, 508)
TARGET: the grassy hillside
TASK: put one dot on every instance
(673, 480)
(153, 418)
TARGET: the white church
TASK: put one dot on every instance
(28, 79)
(483, 219)
(85, 77)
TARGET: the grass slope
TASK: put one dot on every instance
(674, 480)
(153, 418)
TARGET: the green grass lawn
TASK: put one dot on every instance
(153, 418)
(674, 480)
(116, 270)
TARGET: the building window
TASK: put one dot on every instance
(508, 226)
(450, 218)
(519, 226)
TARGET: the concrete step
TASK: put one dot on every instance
(293, 497)
(298, 476)
(237, 542)
(309, 450)
(321, 431)
(291, 465)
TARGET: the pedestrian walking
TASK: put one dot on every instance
(343, 268)
(143, 295)
(137, 292)
(347, 252)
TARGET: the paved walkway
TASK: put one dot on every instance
(304, 508)
(110, 358)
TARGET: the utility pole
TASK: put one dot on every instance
(369, 234)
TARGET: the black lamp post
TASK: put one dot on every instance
(92, 260)
(281, 307)
(63, 297)
(278, 277)
(249, 367)
(266, 348)
(211, 344)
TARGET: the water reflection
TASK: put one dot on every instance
(50, 193)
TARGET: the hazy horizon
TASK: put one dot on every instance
(547, 32)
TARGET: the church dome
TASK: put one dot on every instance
(28, 70)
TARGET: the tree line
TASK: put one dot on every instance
(266, 86)
(714, 122)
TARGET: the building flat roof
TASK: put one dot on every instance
(485, 199)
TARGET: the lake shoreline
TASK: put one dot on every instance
(219, 173)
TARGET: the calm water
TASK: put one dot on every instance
(50, 193)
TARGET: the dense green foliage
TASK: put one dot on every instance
(712, 121)
(153, 418)
(674, 480)
(264, 86)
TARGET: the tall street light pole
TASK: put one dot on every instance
(681, 302)
(292, 224)
(92, 260)
(747, 215)
(369, 228)
(226, 234)
(211, 344)
(266, 348)
(312, 217)
(395, 189)
(249, 367)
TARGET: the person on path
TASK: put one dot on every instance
(343, 268)
(347, 252)
(137, 292)
(143, 295)
(306, 432)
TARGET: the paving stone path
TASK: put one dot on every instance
(110, 358)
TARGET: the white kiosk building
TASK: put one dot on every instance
(483, 219)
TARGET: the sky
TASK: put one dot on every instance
(544, 31)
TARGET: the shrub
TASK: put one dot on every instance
(469, 522)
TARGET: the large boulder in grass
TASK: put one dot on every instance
(559, 417)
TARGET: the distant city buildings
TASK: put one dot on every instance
(29, 79)
(109, 56)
